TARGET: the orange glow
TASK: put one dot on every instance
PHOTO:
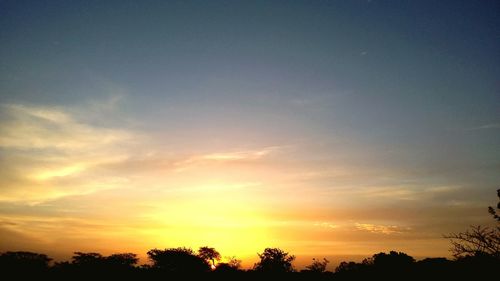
(111, 194)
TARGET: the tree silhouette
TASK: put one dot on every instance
(123, 260)
(177, 260)
(476, 241)
(479, 240)
(231, 266)
(168, 263)
(87, 263)
(209, 254)
(318, 266)
(349, 267)
(274, 260)
(394, 259)
(492, 211)
(234, 262)
(23, 262)
(87, 259)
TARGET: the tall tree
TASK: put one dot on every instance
(209, 254)
(275, 260)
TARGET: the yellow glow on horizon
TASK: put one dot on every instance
(217, 218)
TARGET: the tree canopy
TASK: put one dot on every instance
(275, 260)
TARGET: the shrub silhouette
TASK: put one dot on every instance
(317, 266)
(234, 262)
(231, 266)
(225, 267)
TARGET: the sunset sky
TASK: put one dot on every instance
(325, 128)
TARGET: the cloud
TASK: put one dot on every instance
(238, 155)
(51, 153)
(382, 229)
(43, 145)
(326, 225)
(224, 157)
(487, 126)
(36, 127)
(406, 192)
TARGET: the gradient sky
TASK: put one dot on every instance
(326, 128)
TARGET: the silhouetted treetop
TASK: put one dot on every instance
(23, 261)
(209, 254)
(81, 258)
(396, 259)
(177, 260)
(492, 211)
(122, 259)
(318, 266)
(349, 267)
(275, 260)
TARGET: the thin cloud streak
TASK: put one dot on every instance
(489, 126)
(383, 229)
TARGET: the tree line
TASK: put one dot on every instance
(272, 262)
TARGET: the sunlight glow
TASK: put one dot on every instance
(60, 172)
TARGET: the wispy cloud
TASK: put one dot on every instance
(382, 229)
(38, 127)
(51, 153)
(487, 126)
(405, 192)
(224, 157)
(43, 145)
(326, 225)
(237, 155)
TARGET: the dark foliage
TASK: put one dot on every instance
(274, 260)
(317, 266)
(21, 263)
(492, 211)
(183, 263)
(122, 261)
(209, 254)
(178, 260)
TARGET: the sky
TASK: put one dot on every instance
(325, 128)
